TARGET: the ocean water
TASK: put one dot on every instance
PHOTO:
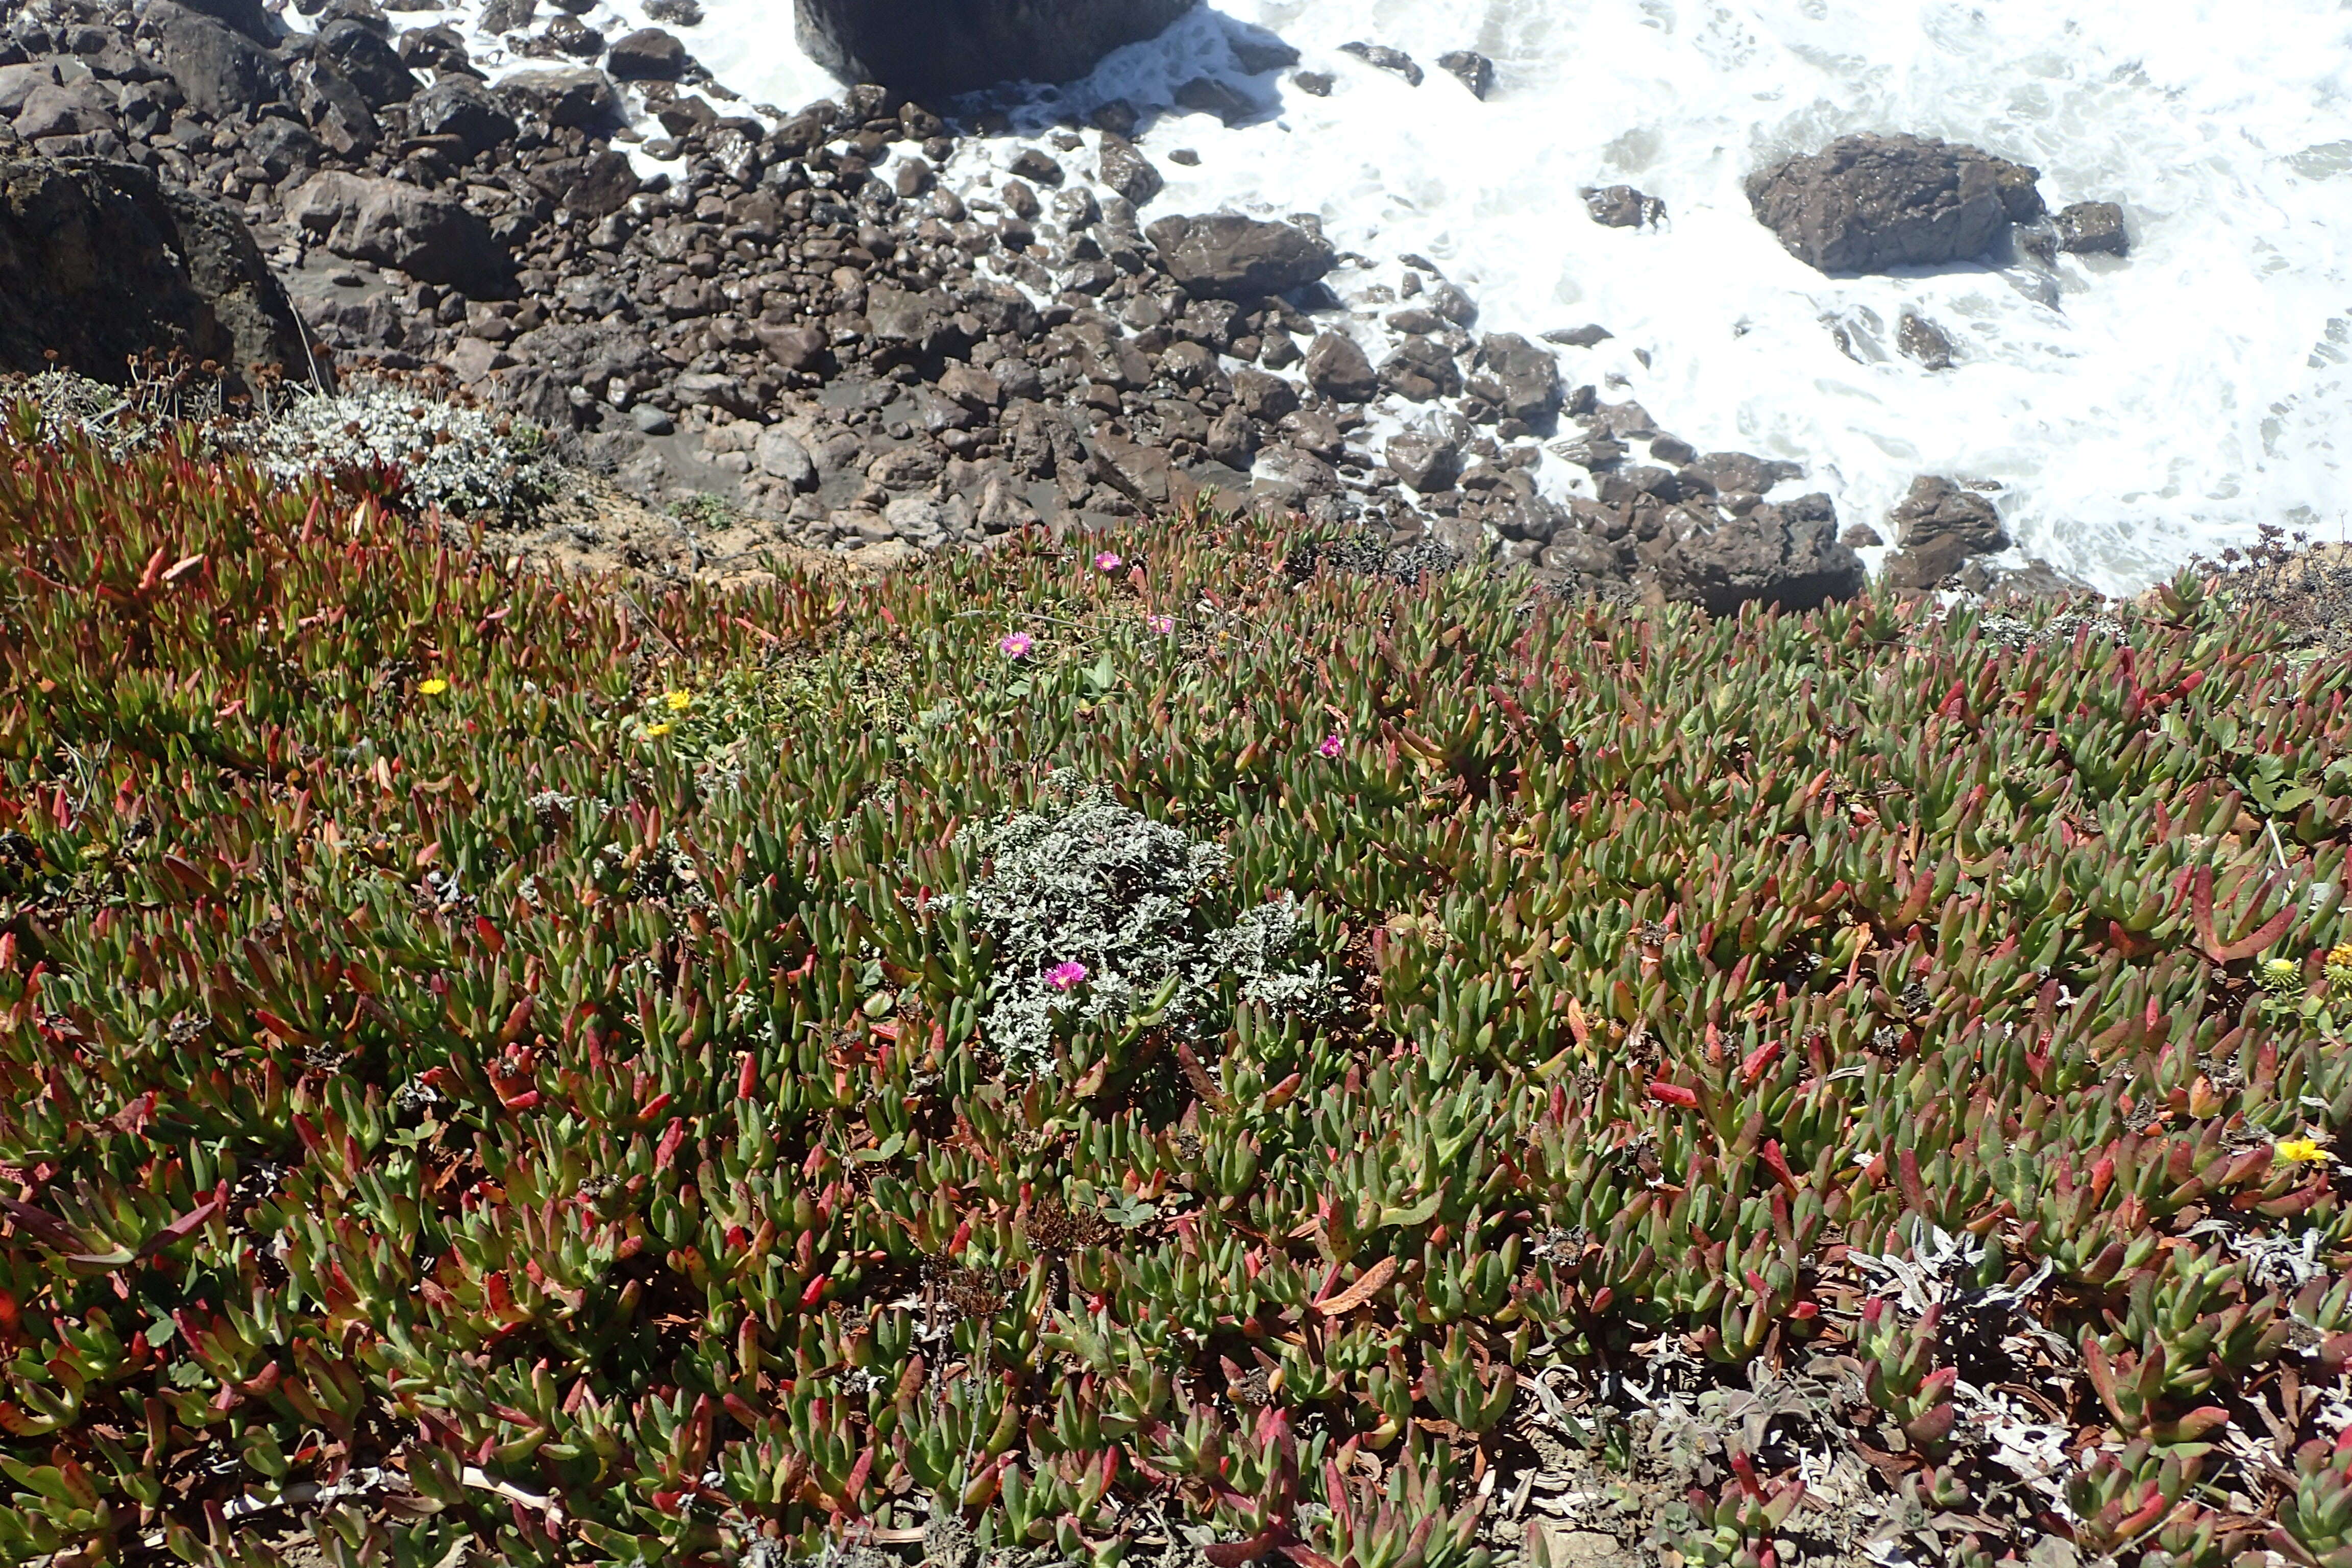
(2131, 412)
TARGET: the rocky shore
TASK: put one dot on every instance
(785, 321)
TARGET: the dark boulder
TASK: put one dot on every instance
(1337, 369)
(1227, 256)
(1938, 526)
(244, 17)
(1866, 203)
(1528, 376)
(2093, 226)
(102, 262)
(649, 54)
(463, 109)
(1787, 556)
(1421, 369)
(220, 71)
(937, 48)
(1125, 169)
(336, 109)
(368, 61)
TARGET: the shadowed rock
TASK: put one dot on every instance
(937, 48)
(102, 262)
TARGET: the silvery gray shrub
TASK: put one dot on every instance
(1140, 905)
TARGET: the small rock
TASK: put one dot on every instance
(1337, 368)
(651, 421)
(1385, 58)
(1185, 156)
(1584, 337)
(1034, 163)
(1861, 536)
(1622, 206)
(1922, 340)
(1676, 450)
(368, 62)
(1257, 52)
(2092, 226)
(1314, 84)
(1475, 72)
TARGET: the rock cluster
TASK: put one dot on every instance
(806, 326)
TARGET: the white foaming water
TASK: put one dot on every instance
(2131, 411)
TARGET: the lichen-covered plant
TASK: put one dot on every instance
(463, 462)
(1103, 915)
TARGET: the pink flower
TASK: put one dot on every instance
(1330, 747)
(1106, 561)
(1066, 976)
(1164, 624)
(1015, 645)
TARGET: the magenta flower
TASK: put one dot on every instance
(1015, 645)
(1163, 625)
(1106, 561)
(1066, 976)
(1330, 747)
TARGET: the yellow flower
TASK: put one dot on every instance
(661, 728)
(677, 701)
(2340, 955)
(433, 687)
(2299, 1151)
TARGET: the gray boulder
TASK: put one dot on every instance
(938, 49)
(1229, 257)
(426, 234)
(1787, 556)
(1866, 204)
(102, 262)
(18, 83)
(74, 109)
